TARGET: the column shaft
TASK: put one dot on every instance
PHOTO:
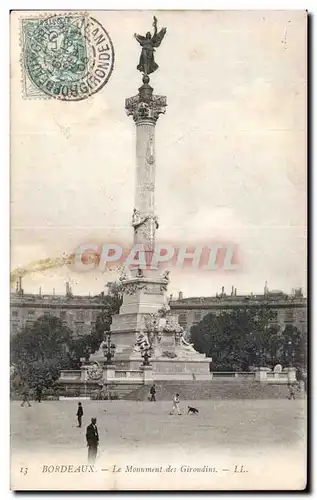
(145, 182)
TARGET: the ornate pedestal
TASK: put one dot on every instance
(141, 297)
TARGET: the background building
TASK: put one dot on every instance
(79, 313)
(291, 309)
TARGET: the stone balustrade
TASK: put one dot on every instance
(145, 375)
(70, 375)
(287, 375)
(249, 375)
(130, 374)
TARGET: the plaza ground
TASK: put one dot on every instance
(266, 436)
(242, 423)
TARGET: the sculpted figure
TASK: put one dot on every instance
(166, 275)
(142, 342)
(140, 273)
(153, 328)
(149, 42)
(124, 275)
(137, 220)
(163, 311)
(155, 218)
(94, 371)
(187, 345)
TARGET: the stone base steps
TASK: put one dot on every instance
(78, 390)
(213, 389)
(188, 390)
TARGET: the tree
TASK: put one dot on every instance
(263, 339)
(224, 338)
(294, 347)
(40, 351)
(82, 347)
(244, 337)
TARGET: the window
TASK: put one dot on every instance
(289, 316)
(197, 316)
(80, 315)
(94, 315)
(79, 330)
(62, 315)
(31, 314)
(302, 316)
(14, 328)
(182, 319)
(276, 316)
(15, 314)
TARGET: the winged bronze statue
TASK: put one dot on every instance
(149, 42)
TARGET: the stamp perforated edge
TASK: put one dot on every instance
(43, 15)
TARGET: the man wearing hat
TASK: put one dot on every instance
(92, 438)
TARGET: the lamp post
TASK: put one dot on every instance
(87, 353)
(108, 349)
(290, 353)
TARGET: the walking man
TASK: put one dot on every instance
(291, 389)
(79, 414)
(176, 405)
(38, 393)
(92, 438)
(152, 393)
(25, 397)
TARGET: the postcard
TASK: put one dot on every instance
(158, 304)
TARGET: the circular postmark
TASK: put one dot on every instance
(68, 57)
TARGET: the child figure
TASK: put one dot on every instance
(176, 405)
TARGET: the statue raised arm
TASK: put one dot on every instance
(157, 36)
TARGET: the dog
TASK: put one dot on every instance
(192, 410)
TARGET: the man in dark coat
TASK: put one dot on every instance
(38, 392)
(152, 393)
(79, 414)
(92, 440)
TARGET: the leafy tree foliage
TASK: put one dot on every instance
(294, 349)
(82, 347)
(239, 339)
(40, 351)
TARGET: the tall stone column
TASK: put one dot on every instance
(145, 182)
(140, 322)
(145, 109)
(143, 289)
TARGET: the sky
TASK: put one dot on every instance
(230, 152)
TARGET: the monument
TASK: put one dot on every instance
(145, 332)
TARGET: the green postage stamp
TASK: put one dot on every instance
(67, 57)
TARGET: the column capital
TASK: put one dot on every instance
(145, 107)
